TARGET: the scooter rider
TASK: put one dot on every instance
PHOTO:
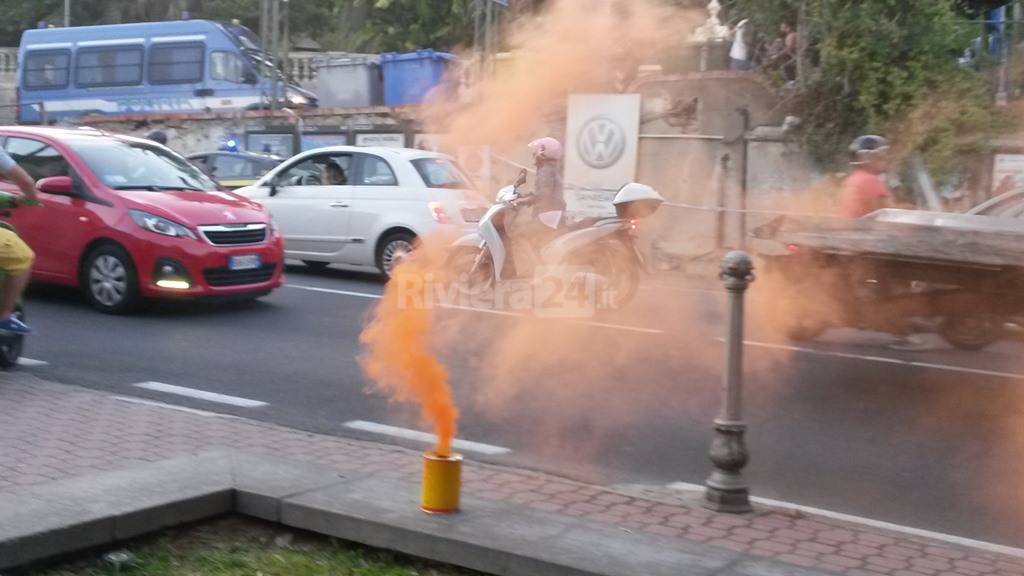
(15, 256)
(549, 196)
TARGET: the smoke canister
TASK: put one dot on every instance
(442, 480)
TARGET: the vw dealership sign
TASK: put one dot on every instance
(602, 132)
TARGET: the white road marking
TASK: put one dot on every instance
(882, 359)
(948, 538)
(464, 445)
(200, 394)
(624, 327)
(29, 362)
(170, 406)
(333, 291)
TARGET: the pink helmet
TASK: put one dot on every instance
(547, 149)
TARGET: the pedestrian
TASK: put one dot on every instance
(739, 54)
(16, 257)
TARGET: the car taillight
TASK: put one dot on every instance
(792, 248)
(437, 211)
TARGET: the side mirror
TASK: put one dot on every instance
(521, 179)
(58, 185)
(273, 187)
(249, 77)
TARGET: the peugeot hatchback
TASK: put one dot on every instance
(126, 219)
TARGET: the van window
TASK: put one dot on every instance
(38, 159)
(49, 69)
(114, 66)
(227, 66)
(176, 63)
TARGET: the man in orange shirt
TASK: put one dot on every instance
(864, 191)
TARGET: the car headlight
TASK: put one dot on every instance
(160, 225)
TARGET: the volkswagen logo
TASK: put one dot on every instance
(601, 142)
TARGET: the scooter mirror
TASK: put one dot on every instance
(521, 179)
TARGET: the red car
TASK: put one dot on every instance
(126, 219)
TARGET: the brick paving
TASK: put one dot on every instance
(51, 431)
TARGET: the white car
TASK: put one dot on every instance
(363, 206)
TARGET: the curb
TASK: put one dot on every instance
(63, 517)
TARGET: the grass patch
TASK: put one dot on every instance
(235, 546)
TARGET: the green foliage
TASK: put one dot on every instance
(878, 63)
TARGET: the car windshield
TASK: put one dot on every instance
(137, 166)
(441, 173)
(1011, 206)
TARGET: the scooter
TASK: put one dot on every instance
(604, 249)
(11, 345)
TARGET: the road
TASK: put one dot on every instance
(933, 439)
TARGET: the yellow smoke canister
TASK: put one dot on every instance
(442, 480)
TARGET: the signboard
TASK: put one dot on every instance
(602, 136)
(1008, 166)
(312, 141)
(386, 140)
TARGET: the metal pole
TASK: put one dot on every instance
(286, 47)
(744, 175)
(727, 490)
(275, 46)
(723, 182)
(488, 33)
(67, 13)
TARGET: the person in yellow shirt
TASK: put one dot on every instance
(15, 256)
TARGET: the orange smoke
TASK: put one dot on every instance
(397, 355)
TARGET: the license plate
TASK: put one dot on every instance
(246, 262)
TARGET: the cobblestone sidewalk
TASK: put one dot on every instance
(52, 431)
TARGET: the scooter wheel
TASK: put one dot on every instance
(11, 345)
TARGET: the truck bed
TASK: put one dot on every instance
(903, 235)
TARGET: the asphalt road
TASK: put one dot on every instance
(931, 439)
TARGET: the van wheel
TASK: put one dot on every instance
(110, 281)
(393, 249)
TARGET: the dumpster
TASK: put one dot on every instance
(409, 77)
(350, 82)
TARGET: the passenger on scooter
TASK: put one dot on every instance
(864, 191)
(15, 256)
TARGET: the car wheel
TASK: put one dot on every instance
(11, 345)
(110, 281)
(314, 265)
(392, 249)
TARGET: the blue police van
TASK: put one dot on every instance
(146, 68)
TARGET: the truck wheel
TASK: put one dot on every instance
(971, 332)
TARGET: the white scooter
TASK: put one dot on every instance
(604, 247)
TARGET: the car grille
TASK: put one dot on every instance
(220, 277)
(235, 235)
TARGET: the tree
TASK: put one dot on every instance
(879, 62)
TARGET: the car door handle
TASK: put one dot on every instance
(204, 92)
(339, 205)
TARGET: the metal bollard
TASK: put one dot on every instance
(727, 490)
